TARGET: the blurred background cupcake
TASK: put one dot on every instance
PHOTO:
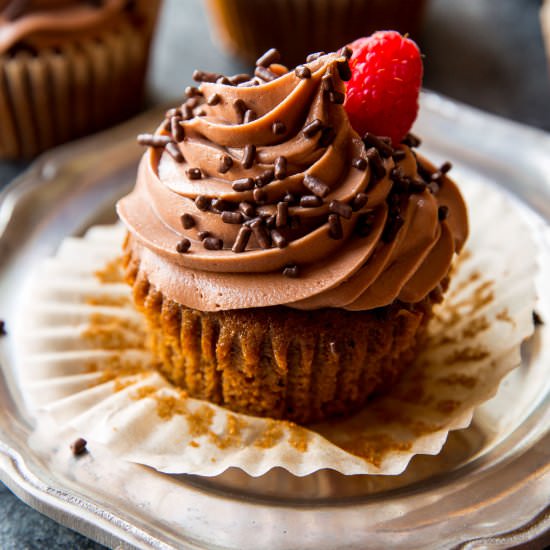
(69, 68)
(298, 27)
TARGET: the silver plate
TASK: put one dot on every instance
(488, 488)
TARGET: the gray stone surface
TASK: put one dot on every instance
(22, 528)
(482, 52)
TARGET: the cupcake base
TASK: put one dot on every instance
(278, 362)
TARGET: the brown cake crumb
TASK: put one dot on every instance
(375, 447)
(78, 447)
(112, 272)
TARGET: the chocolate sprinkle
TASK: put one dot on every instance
(240, 108)
(249, 153)
(310, 201)
(260, 196)
(204, 76)
(344, 70)
(302, 71)
(214, 99)
(280, 168)
(186, 112)
(249, 116)
(282, 214)
(364, 224)
(271, 56)
(151, 140)
(392, 228)
(278, 239)
(192, 91)
(187, 221)
(265, 74)
(370, 140)
(398, 155)
(172, 112)
(327, 137)
(261, 234)
(78, 447)
(417, 186)
(346, 52)
(247, 209)
(173, 150)
(176, 129)
(337, 98)
(278, 128)
(239, 79)
(327, 82)
(264, 178)
(335, 227)
(203, 235)
(313, 56)
(3, 328)
(242, 239)
(445, 167)
(223, 80)
(232, 217)
(192, 102)
(359, 201)
(411, 140)
(244, 184)
(218, 205)
(270, 222)
(194, 173)
(202, 203)
(359, 163)
(316, 186)
(183, 246)
(289, 198)
(226, 162)
(313, 127)
(340, 208)
(212, 243)
(442, 213)
(375, 161)
(291, 271)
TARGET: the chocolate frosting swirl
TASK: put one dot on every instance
(394, 246)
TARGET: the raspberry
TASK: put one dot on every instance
(382, 95)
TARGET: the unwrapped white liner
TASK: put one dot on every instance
(85, 364)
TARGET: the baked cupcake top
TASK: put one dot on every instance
(49, 23)
(258, 192)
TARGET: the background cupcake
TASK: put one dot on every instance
(298, 27)
(69, 68)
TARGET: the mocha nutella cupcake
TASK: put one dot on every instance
(69, 68)
(287, 266)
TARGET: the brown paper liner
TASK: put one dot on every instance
(278, 362)
(55, 95)
(298, 27)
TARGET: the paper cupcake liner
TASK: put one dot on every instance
(51, 97)
(297, 27)
(85, 363)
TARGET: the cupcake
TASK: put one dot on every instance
(69, 68)
(286, 264)
(296, 27)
